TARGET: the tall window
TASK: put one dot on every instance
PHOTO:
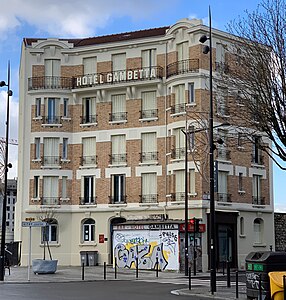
(180, 185)
(38, 107)
(88, 190)
(256, 150)
(50, 232)
(149, 188)
(118, 188)
(118, 108)
(191, 88)
(149, 105)
(179, 151)
(222, 186)
(65, 148)
(51, 151)
(258, 231)
(90, 65)
(89, 151)
(240, 182)
(241, 225)
(36, 187)
(64, 187)
(220, 53)
(191, 138)
(149, 58)
(65, 108)
(37, 148)
(118, 149)
(52, 110)
(50, 190)
(88, 229)
(192, 175)
(221, 101)
(119, 62)
(52, 73)
(179, 98)
(256, 190)
(183, 55)
(89, 110)
(149, 147)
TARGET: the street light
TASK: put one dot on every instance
(6, 166)
(206, 50)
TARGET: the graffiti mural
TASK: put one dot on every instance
(150, 247)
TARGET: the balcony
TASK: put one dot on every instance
(258, 200)
(257, 159)
(223, 154)
(118, 199)
(222, 67)
(149, 114)
(52, 120)
(50, 201)
(223, 197)
(89, 160)
(88, 119)
(180, 196)
(182, 67)
(117, 77)
(51, 160)
(115, 159)
(118, 117)
(87, 200)
(178, 153)
(149, 198)
(148, 157)
(178, 108)
(50, 82)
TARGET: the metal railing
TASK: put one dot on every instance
(50, 82)
(149, 198)
(258, 200)
(89, 160)
(87, 200)
(119, 116)
(88, 119)
(223, 197)
(183, 66)
(178, 153)
(223, 154)
(148, 156)
(117, 158)
(148, 113)
(52, 120)
(50, 201)
(51, 160)
(257, 158)
(178, 196)
(117, 199)
(178, 108)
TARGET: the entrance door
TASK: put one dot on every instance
(225, 244)
(113, 222)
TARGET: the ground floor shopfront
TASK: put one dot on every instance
(125, 234)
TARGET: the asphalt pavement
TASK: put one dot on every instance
(200, 284)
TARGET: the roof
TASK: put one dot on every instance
(160, 31)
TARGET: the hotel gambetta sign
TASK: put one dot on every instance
(102, 154)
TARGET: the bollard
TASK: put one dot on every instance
(82, 272)
(260, 288)
(104, 270)
(157, 267)
(190, 279)
(136, 266)
(236, 284)
(195, 262)
(115, 268)
(284, 285)
(228, 274)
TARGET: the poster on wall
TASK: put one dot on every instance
(150, 246)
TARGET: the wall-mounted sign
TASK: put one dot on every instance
(101, 238)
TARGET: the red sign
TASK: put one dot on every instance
(101, 238)
(202, 227)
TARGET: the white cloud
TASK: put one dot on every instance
(72, 17)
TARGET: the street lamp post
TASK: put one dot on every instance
(186, 201)
(206, 50)
(6, 166)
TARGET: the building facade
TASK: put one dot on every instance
(101, 142)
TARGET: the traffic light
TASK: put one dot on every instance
(196, 225)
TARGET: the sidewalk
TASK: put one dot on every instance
(200, 282)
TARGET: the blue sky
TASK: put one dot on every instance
(77, 18)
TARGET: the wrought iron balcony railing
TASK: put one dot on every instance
(87, 200)
(149, 114)
(148, 156)
(223, 154)
(117, 199)
(50, 200)
(50, 82)
(119, 116)
(180, 196)
(88, 119)
(183, 66)
(51, 160)
(89, 160)
(52, 120)
(223, 197)
(117, 158)
(178, 153)
(178, 108)
(149, 198)
(258, 200)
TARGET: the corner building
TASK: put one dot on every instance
(102, 151)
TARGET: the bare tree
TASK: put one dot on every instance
(257, 66)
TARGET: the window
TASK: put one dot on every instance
(89, 151)
(52, 109)
(38, 107)
(183, 57)
(191, 137)
(36, 187)
(191, 92)
(119, 62)
(37, 148)
(180, 185)
(65, 108)
(241, 225)
(258, 231)
(192, 181)
(88, 190)
(179, 151)
(149, 58)
(179, 99)
(65, 148)
(256, 190)
(118, 189)
(50, 190)
(256, 151)
(240, 182)
(222, 187)
(240, 140)
(223, 152)
(88, 228)
(52, 73)
(149, 188)
(118, 108)
(89, 65)
(149, 147)
(149, 105)
(64, 187)
(89, 110)
(221, 101)
(50, 232)
(51, 152)
(118, 148)
(220, 53)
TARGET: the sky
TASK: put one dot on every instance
(78, 18)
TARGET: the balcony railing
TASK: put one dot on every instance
(50, 82)
(149, 114)
(178, 108)
(88, 119)
(257, 159)
(117, 158)
(149, 198)
(222, 67)
(258, 200)
(178, 153)
(51, 160)
(87, 200)
(178, 196)
(223, 154)
(119, 116)
(183, 66)
(223, 197)
(52, 120)
(50, 200)
(148, 156)
(89, 160)
(117, 199)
